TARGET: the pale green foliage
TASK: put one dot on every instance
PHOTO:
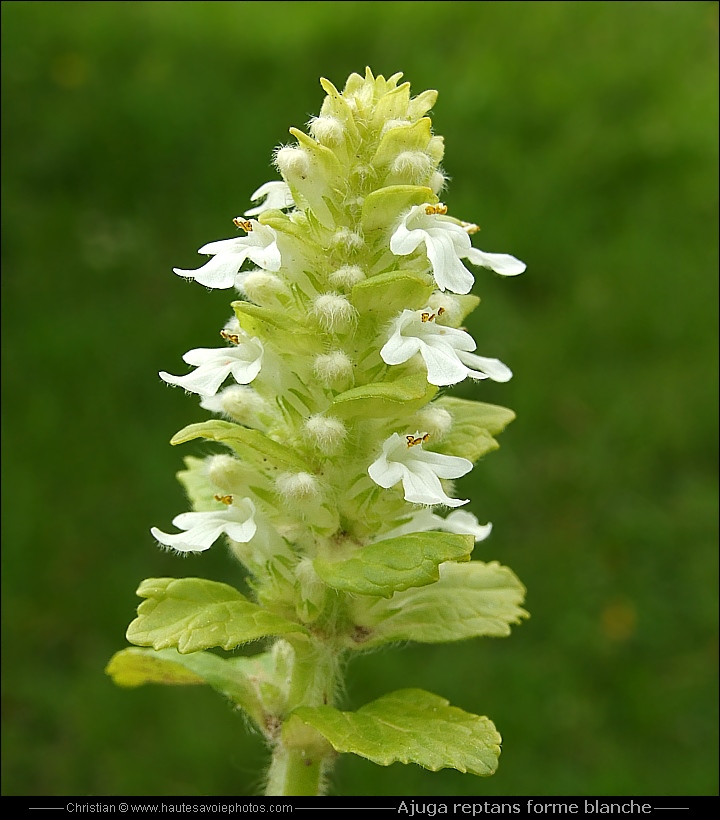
(468, 601)
(410, 726)
(192, 614)
(311, 436)
(395, 564)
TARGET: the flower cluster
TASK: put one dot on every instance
(311, 263)
(353, 283)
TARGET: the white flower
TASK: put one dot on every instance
(445, 243)
(459, 522)
(275, 195)
(214, 365)
(501, 263)
(403, 459)
(260, 246)
(447, 351)
(202, 529)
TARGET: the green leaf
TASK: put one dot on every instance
(275, 326)
(382, 208)
(410, 726)
(396, 564)
(242, 680)
(384, 295)
(404, 138)
(491, 417)
(385, 399)
(470, 600)
(283, 223)
(134, 667)
(473, 427)
(193, 613)
(250, 445)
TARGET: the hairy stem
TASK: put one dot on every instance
(301, 756)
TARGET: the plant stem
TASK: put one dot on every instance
(293, 773)
(301, 756)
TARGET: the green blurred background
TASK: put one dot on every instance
(582, 136)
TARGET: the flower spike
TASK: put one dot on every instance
(338, 449)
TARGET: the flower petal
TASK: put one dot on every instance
(197, 539)
(276, 194)
(214, 365)
(205, 381)
(463, 522)
(449, 272)
(483, 368)
(501, 263)
(443, 365)
(386, 473)
(442, 465)
(218, 272)
(204, 528)
(422, 486)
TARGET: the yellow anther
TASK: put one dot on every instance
(440, 311)
(436, 209)
(245, 224)
(470, 227)
(224, 499)
(428, 317)
(413, 442)
(231, 337)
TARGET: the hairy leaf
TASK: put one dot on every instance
(410, 726)
(193, 613)
(388, 293)
(473, 428)
(382, 207)
(251, 445)
(385, 399)
(242, 680)
(396, 564)
(470, 600)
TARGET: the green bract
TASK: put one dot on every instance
(336, 449)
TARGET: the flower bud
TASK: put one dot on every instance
(436, 149)
(297, 486)
(292, 161)
(313, 592)
(327, 130)
(334, 369)
(222, 471)
(347, 276)
(242, 404)
(437, 182)
(333, 311)
(263, 288)
(326, 433)
(347, 240)
(390, 124)
(362, 171)
(413, 167)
